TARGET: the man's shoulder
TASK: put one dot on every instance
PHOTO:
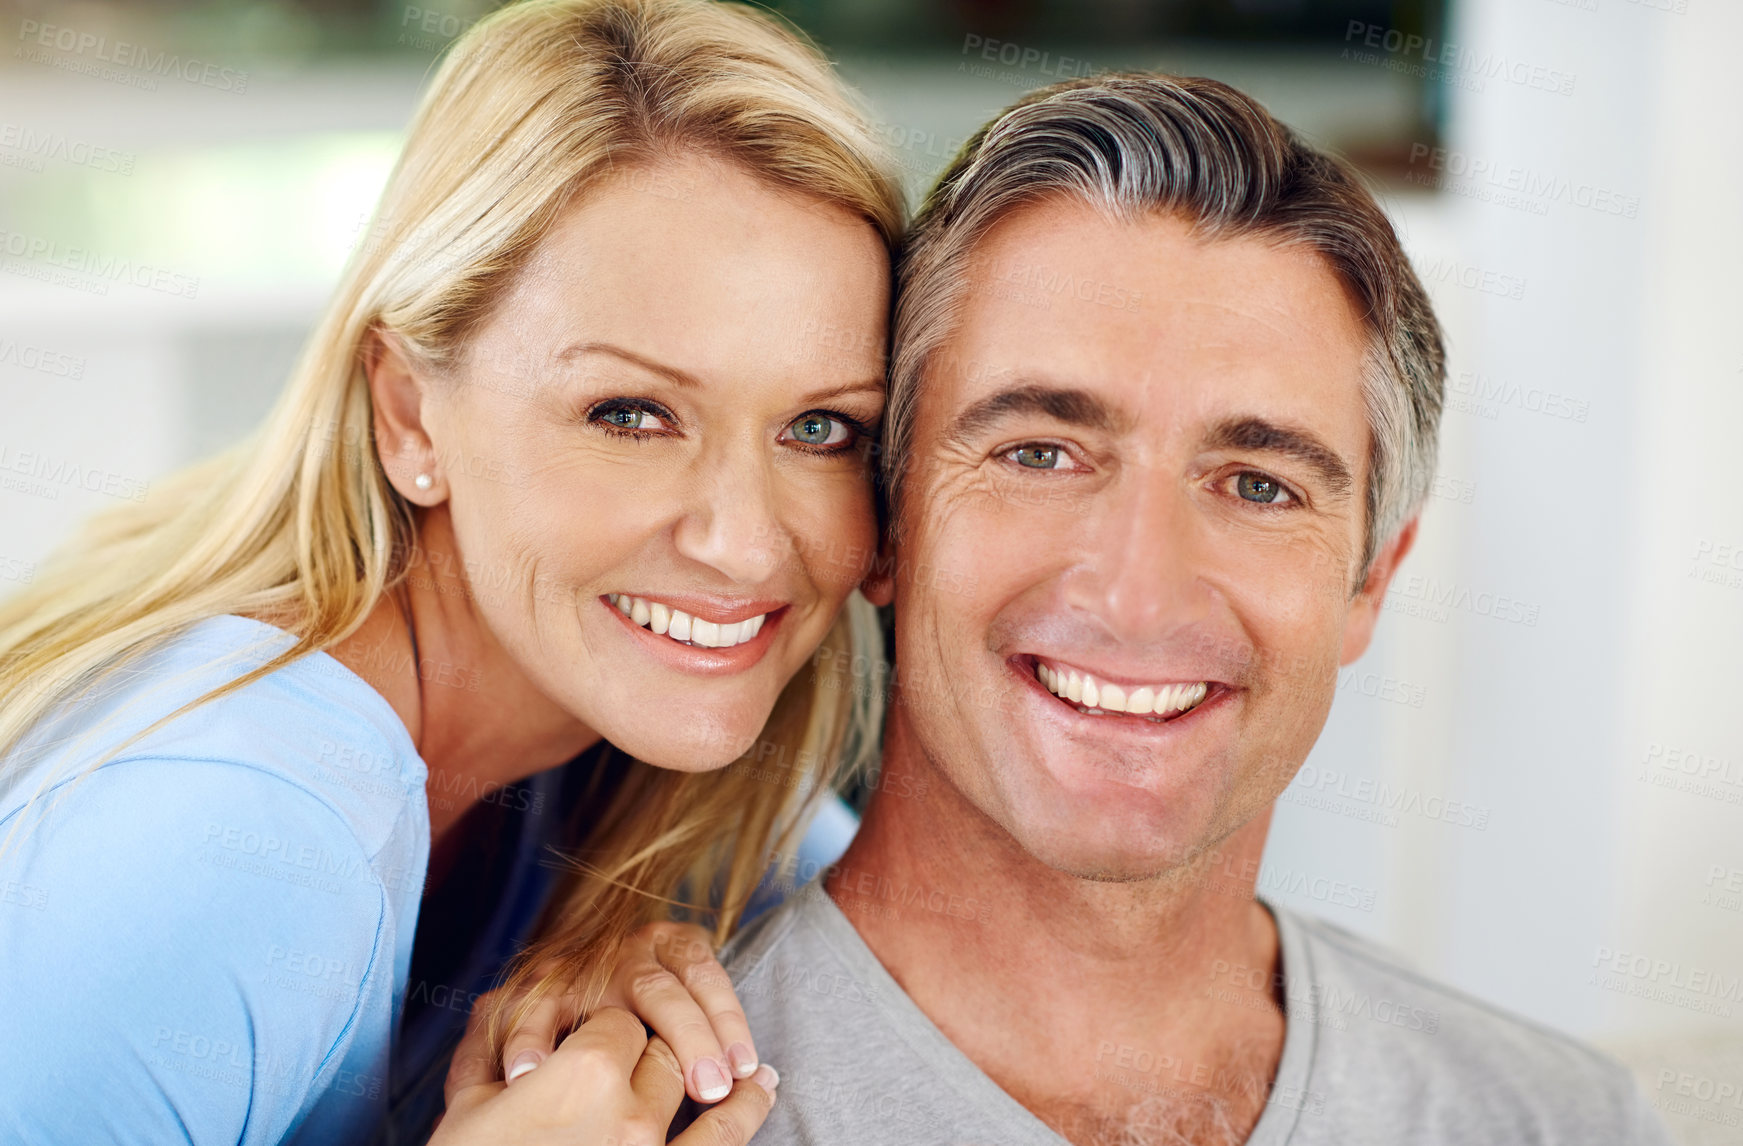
(1386, 1034)
(803, 949)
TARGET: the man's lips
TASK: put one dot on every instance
(1098, 694)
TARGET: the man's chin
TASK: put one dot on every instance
(1113, 838)
(1102, 861)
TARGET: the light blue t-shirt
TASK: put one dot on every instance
(209, 938)
(206, 939)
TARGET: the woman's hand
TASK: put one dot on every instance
(667, 976)
(609, 1084)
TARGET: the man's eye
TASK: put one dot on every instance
(1039, 457)
(1259, 488)
(819, 430)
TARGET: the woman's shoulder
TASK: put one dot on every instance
(311, 731)
(215, 918)
(199, 944)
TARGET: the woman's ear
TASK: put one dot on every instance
(396, 396)
(879, 586)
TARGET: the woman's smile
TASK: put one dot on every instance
(704, 635)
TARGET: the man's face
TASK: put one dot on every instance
(1140, 461)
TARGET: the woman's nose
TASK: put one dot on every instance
(731, 524)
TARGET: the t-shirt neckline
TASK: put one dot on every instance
(1294, 1066)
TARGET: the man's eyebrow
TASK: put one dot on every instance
(672, 373)
(1064, 404)
(1268, 437)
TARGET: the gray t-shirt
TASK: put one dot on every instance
(1373, 1054)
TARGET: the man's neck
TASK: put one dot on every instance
(1100, 1006)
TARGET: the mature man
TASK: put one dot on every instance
(1164, 406)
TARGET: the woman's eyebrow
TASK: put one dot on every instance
(672, 373)
(874, 385)
(862, 386)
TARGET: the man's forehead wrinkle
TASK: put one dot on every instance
(1278, 319)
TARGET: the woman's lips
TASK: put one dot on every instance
(669, 620)
(725, 646)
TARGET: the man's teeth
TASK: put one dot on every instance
(1083, 689)
(681, 626)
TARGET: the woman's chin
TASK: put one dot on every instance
(703, 746)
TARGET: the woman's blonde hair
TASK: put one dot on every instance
(531, 106)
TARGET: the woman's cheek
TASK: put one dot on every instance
(837, 547)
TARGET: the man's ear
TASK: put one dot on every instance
(1365, 609)
(879, 586)
(396, 397)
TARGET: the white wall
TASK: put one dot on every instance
(1594, 900)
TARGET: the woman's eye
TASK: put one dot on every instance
(819, 430)
(628, 418)
(1041, 457)
(1264, 490)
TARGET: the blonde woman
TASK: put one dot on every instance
(562, 512)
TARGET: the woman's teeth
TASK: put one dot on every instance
(1096, 696)
(682, 627)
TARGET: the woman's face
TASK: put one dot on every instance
(668, 416)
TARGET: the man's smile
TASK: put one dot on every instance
(1096, 694)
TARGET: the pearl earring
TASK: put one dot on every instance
(423, 481)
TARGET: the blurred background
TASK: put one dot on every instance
(1531, 787)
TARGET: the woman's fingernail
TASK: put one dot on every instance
(766, 1077)
(523, 1062)
(744, 1063)
(711, 1081)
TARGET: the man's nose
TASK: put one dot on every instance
(1141, 569)
(729, 523)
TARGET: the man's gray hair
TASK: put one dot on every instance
(1139, 143)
